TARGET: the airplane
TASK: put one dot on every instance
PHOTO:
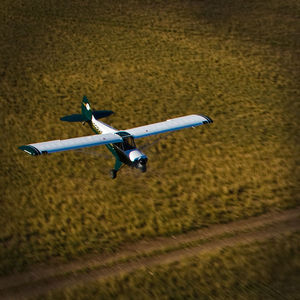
(121, 143)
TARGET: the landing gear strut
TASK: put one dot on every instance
(118, 163)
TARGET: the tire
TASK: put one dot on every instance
(143, 169)
(113, 173)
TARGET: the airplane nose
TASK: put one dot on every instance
(143, 160)
(142, 164)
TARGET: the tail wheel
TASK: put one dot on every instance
(113, 173)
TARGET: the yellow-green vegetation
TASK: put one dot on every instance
(235, 61)
(266, 270)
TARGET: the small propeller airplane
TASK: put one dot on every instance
(120, 143)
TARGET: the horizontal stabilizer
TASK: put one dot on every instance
(73, 118)
(98, 114)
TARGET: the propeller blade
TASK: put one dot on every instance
(93, 153)
(155, 141)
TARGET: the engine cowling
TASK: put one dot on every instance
(139, 159)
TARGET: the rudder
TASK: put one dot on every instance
(86, 109)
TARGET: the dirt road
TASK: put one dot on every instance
(146, 254)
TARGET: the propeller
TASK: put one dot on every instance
(93, 153)
(155, 141)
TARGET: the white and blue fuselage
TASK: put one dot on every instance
(126, 151)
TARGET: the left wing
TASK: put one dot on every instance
(169, 125)
(71, 144)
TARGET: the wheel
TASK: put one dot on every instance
(113, 173)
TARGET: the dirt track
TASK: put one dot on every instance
(42, 279)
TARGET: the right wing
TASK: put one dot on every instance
(169, 125)
(71, 144)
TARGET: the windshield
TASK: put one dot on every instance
(128, 143)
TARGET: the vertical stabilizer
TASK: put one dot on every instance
(86, 109)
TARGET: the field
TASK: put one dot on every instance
(237, 62)
(219, 275)
(102, 274)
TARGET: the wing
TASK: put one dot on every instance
(71, 144)
(169, 125)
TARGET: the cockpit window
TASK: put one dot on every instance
(119, 145)
(128, 143)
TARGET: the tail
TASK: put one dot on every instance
(86, 113)
(86, 110)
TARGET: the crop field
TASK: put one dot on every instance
(235, 61)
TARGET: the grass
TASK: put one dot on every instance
(236, 63)
(265, 270)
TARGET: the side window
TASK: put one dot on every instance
(128, 143)
(119, 145)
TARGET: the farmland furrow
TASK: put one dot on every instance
(42, 279)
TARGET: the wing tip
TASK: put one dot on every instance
(208, 119)
(30, 150)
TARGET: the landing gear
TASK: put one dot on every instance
(113, 173)
(118, 163)
(143, 168)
